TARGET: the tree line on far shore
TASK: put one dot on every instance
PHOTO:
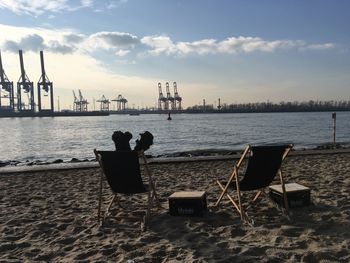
(282, 106)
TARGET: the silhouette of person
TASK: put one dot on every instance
(121, 140)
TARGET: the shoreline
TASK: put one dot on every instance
(158, 160)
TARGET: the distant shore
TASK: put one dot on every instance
(205, 111)
(136, 112)
(31, 114)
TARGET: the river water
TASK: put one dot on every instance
(48, 139)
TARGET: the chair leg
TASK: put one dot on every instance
(241, 211)
(285, 198)
(243, 214)
(255, 199)
(100, 198)
(151, 182)
(147, 216)
(230, 197)
(224, 190)
(109, 207)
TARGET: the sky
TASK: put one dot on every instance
(236, 50)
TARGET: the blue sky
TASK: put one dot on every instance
(239, 51)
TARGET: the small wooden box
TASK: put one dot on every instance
(297, 195)
(188, 203)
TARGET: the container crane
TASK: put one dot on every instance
(161, 99)
(76, 103)
(121, 102)
(83, 102)
(45, 85)
(104, 103)
(24, 85)
(177, 98)
(170, 100)
(6, 90)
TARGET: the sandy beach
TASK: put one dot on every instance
(50, 216)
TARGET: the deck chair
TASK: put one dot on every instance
(264, 163)
(122, 171)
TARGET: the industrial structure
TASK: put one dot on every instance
(169, 102)
(170, 99)
(80, 104)
(25, 88)
(162, 101)
(22, 103)
(219, 104)
(45, 88)
(104, 103)
(121, 103)
(177, 98)
(7, 96)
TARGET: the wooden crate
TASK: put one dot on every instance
(188, 203)
(298, 195)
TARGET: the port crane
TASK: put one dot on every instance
(76, 103)
(104, 103)
(80, 104)
(83, 102)
(44, 86)
(6, 90)
(177, 98)
(24, 86)
(170, 99)
(121, 102)
(161, 99)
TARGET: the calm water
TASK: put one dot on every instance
(48, 139)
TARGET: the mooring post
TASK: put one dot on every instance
(334, 117)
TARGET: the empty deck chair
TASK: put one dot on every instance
(264, 163)
(122, 171)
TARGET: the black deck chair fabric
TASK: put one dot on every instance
(263, 165)
(122, 170)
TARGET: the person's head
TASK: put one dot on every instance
(145, 141)
(121, 140)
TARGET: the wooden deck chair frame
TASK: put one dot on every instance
(235, 177)
(152, 196)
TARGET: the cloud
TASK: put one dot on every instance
(320, 46)
(110, 40)
(36, 43)
(201, 47)
(73, 38)
(56, 47)
(66, 41)
(86, 3)
(115, 4)
(36, 8)
(252, 44)
(164, 45)
(29, 43)
(122, 53)
(30, 7)
(160, 45)
(121, 44)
